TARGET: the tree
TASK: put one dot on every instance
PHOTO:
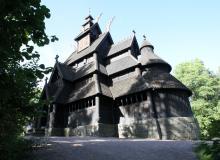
(22, 28)
(205, 100)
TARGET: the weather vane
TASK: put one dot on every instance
(144, 37)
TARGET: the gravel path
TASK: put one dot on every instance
(96, 148)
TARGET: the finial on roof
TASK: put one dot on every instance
(56, 58)
(89, 11)
(144, 37)
(134, 32)
(109, 24)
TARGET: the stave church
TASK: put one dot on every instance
(118, 89)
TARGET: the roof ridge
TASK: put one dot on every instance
(122, 40)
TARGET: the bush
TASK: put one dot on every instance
(208, 151)
(16, 148)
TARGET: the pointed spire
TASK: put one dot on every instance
(145, 43)
(149, 58)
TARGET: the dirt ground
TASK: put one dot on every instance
(96, 148)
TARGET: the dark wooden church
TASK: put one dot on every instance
(116, 89)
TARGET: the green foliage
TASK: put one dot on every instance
(17, 148)
(205, 101)
(21, 28)
(208, 151)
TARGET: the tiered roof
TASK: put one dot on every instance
(118, 60)
(121, 46)
(149, 58)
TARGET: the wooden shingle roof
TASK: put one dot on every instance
(157, 79)
(68, 94)
(149, 58)
(120, 46)
(121, 64)
(79, 55)
(72, 74)
(128, 86)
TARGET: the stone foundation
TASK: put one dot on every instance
(163, 128)
(175, 128)
(102, 130)
(54, 132)
(145, 129)
(179, 128)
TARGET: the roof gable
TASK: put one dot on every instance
(79, 55)
(121, 46)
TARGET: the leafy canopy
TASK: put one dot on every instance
(205, 101)
(22, 27)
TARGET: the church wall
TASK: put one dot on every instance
(137, 117)
(172, 104)
(81, 113)
(158, 115)
(91, 120)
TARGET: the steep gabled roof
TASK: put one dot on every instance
(89, 30)
(157, 79)
(67, 72)
(128, 86)
(68, 94)
(120, 46)
(121, 64)
(72, 74)
(78, 55)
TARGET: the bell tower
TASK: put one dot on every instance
(90, 32)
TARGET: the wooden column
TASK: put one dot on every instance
(97, 102)
(97, 85)
(52, 116)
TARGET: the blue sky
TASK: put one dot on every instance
(179, 30)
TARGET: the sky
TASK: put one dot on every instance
(179, 30)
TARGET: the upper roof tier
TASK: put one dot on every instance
(121, 46)
(150, 59)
